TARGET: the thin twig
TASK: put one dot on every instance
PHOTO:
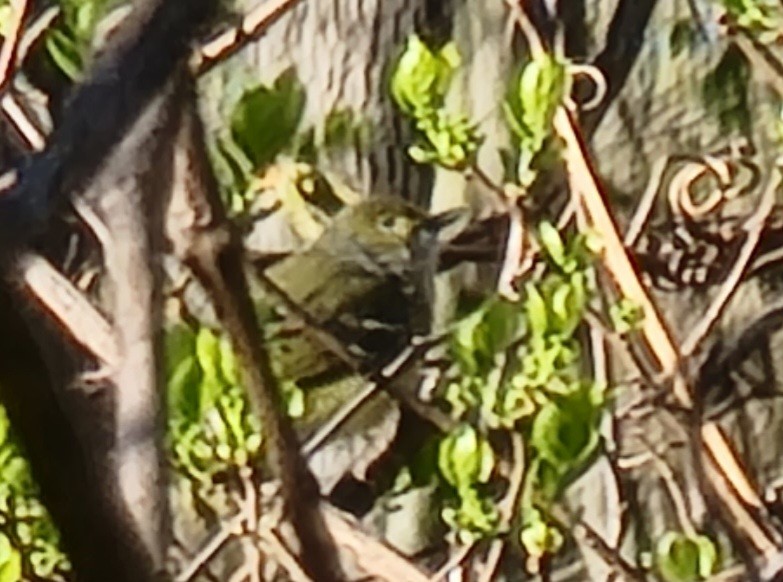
(516, 239)
(69, 306)
(233, 40)
(513, 255)
(506, 507)
(227, 528)
(457, 558)
(12, 39)
(642, 212)
(592, 539)
(32, 135)
(250, 501)
(210, 246)
(674, 489)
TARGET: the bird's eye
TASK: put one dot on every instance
(388, 222)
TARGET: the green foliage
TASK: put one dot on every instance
(69, 42)
(564, 431)
(234, 171)
(625, 315)
(683, 558)
(5, 17)
(211, 428)
(450, 140)
(341, 129)
(422, 77)
(725, 90)
(419, 84)
(266, 123)
(518, 367)
(10, 561)
(29, 541)
(265, 119)
(538, 537)
(466, 461)
(683, 36)
(530, 109)
(755, 15)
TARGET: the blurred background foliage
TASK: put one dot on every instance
(454, 119)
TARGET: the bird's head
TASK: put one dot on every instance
(390, 232)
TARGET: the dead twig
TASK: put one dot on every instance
(69, 306)
(228, 527)
(233, 40)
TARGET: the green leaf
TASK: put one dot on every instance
(535, 308)
(265, 119)
(10, 561)
(184, 390)
(552, 243)
(680, 558)
(5, 427)
(755, 15)
(565, 430)
(480, 337)
(465, 458)
(209, 357)
(683, 36)
(625, 315)
(65, 53)
(5, 19)
(538, 537)
(568, 304)
(343, 128)
(725, 90)
(233, 169)
(229, 368)
(541, 88)
(503, 324)
(421, 77)
(16, 473)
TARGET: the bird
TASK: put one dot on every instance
(366, 281)
(341, 308)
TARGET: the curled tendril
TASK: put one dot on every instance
(574, 70)
(600, 86)
(724, 170)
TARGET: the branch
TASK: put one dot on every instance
(205, 240)
(150, 46)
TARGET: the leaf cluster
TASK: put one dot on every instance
(211, 429)
(519, 368)
(29, 541)
(68, 43)
(419, 83)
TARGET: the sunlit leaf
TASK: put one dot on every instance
(535, 307)
(10, 561)
(465, 458)
(265, 119)
(421, 77)
(681, 558)
(538, 537)
(565, 430)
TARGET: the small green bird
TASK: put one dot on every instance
(366, 282)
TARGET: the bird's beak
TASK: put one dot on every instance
(445, 226)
